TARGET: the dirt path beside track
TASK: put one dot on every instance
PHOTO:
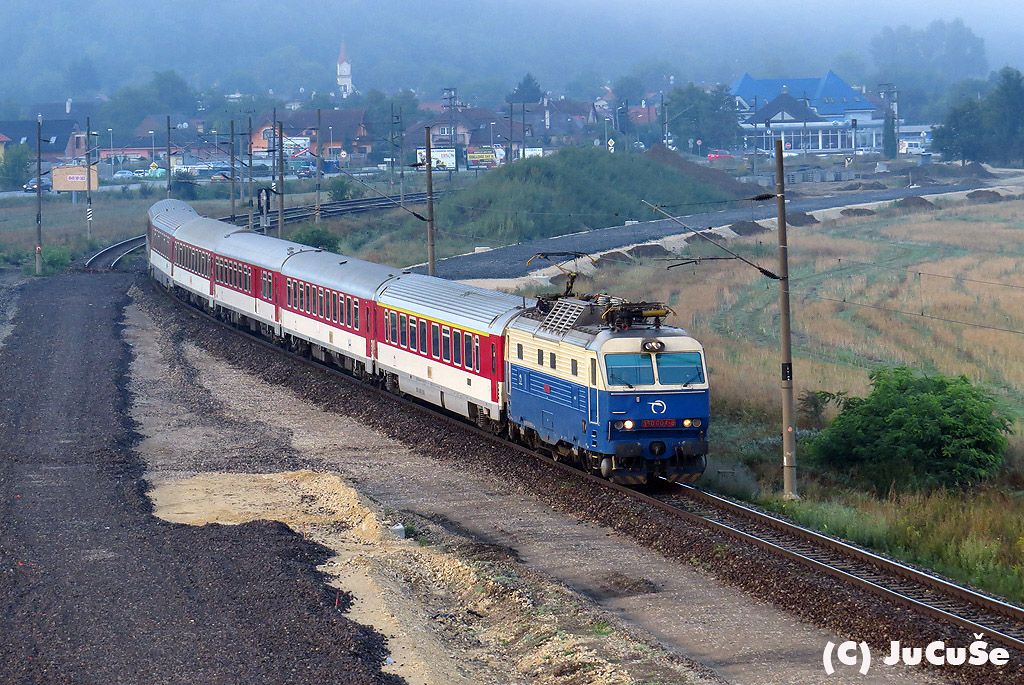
(93, 588)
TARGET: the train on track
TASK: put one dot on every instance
(591, 379)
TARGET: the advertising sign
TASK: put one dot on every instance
(443, 158)
(534, 152)
(483, 157)
(67, 178)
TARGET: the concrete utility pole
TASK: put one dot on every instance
(280, 178)
(88, 179)
(319, 167)
(39, 195)
(168, 155)
(232, 171)
(250, 173)
(430, 209)
(785, 333)
(401, 158)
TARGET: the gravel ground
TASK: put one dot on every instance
(809, 597)
(94, 589)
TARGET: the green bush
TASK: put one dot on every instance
(916, 432)
(341, 188)
(55, 260)
(315, 236)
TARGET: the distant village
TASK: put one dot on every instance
(811, 115)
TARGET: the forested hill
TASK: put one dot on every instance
(579, 189)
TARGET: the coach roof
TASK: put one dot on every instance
(452, 302)
(340, 272)
(170, 215)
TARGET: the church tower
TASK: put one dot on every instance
(345, 86)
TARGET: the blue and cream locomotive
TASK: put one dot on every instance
(602, 383)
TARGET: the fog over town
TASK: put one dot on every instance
(482, 47)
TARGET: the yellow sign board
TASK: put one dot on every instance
(67, 178)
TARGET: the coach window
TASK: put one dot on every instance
(551, 360)
(309, 299)
(403, 330)
(519, 350)
(476, 352)
(348, 307)
(248, 279)
(435, 340)
(423, 336)
(468, 356)
(540, 357)
(574, 367)
(355, 314)
(302, 297)
(457, 348)
(412, 333)
(446, 344)
(320, 299)
(494, 359)
(334, 307)
(393, 317)
(288, 292)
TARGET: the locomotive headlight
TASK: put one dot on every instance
(697, 423)
(618, 425)
(653, 346)
(687, 423)
(628, 424)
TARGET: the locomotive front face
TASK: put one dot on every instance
(655, 408)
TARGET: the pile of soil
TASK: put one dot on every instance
(913, 204)
(613, 259)
(857, 211)
(801, 219)
(976, 170)
(872, 185)
(641, 251)
(856, 185)
(984, 196)
(747, 228)
(706, 175)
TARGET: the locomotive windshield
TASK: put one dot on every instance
(636, 369)
(629, 369)
(679, 368)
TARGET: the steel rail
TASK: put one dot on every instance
(291, 215)
(1014, 639)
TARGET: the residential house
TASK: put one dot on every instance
(58, 141)
(343, 134)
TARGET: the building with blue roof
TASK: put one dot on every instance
(811, 115)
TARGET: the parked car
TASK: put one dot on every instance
(306, 172)
(139, 173)
(30, 187)
(123, 175)
(714, 155)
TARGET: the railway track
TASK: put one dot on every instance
(108, 258)
(894, 582)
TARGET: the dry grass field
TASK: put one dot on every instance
(964, 264)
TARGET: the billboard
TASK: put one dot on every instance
(533, 152)
(67, 178)
(483, 157)
(443, 158)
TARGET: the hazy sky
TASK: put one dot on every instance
(480, 45)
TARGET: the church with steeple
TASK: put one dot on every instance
(345, 87)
